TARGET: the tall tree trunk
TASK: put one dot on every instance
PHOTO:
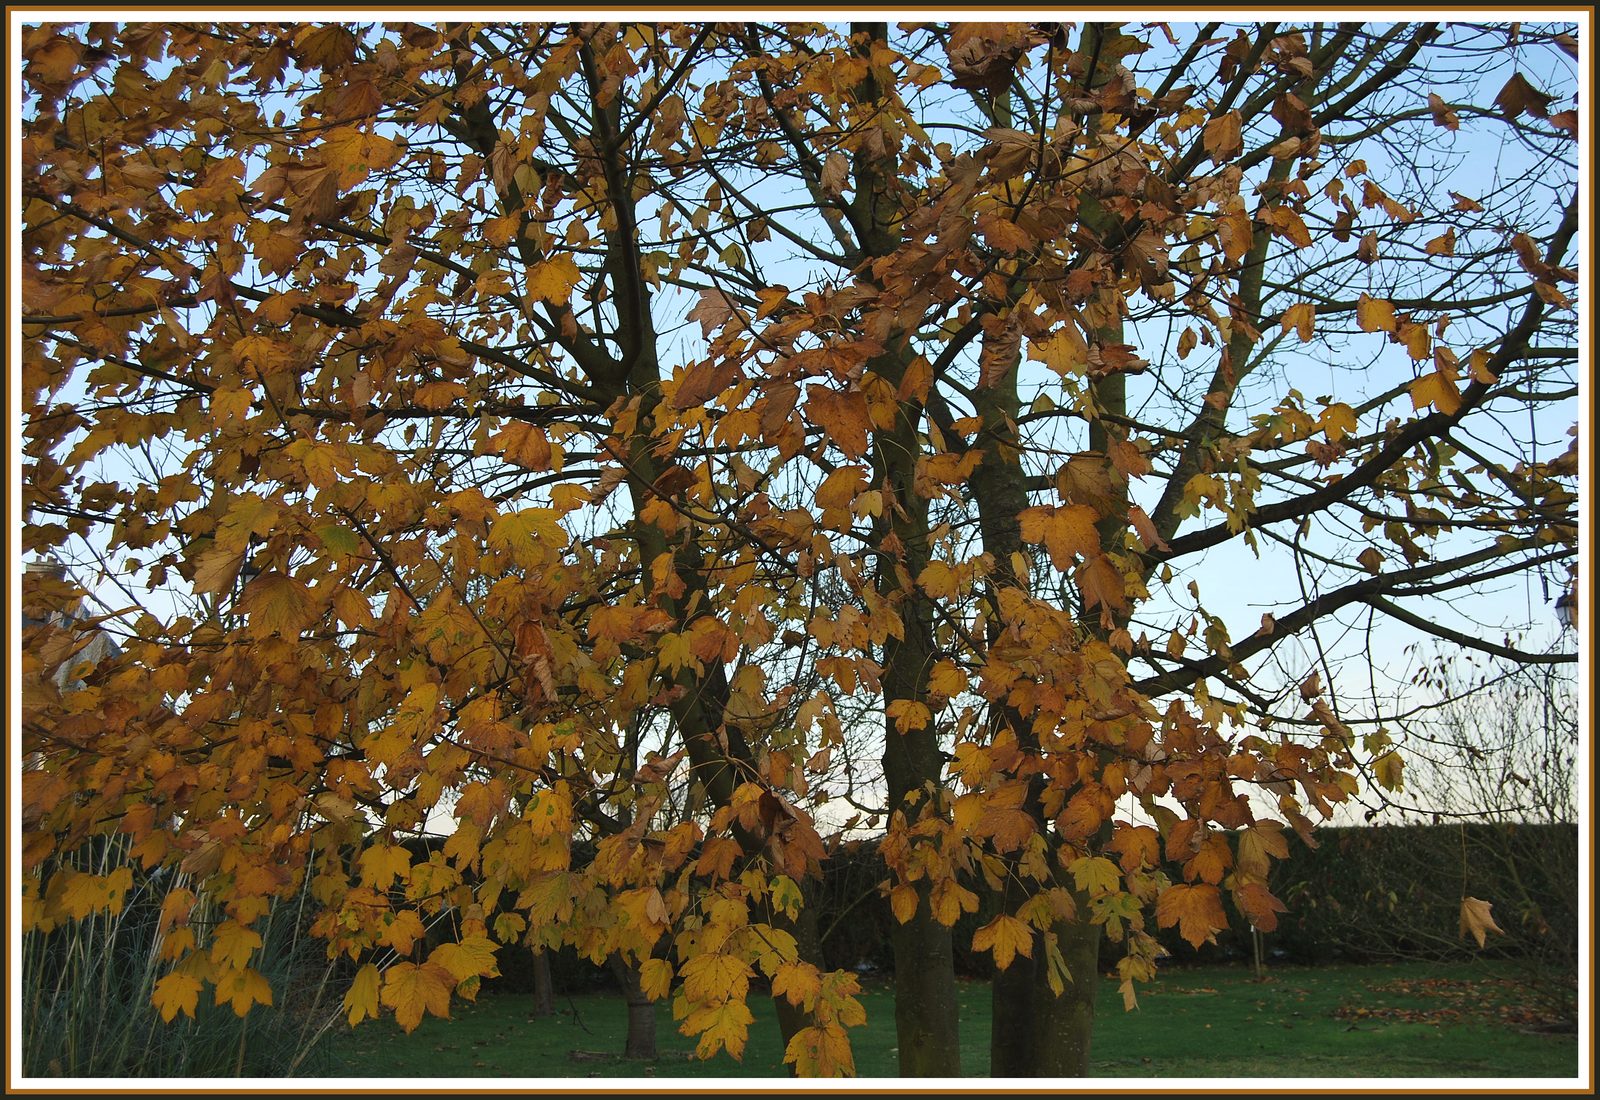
(544, 993)
(927, 1019)
(641, 1041)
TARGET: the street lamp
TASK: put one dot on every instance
(1567, 609)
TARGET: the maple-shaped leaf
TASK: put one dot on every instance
(410, 990)
(1375, 314)
(714, 309)
(1101, 583)
(232, 944)
(721, 1026)
(276, 603)
(1477, 921)
(1437, 389)
(1196, 910)
(715, 977)
(841, 415)
(1095, 874)
(1222, 137)
(473, 957)
(1302, 317)
(704, 381)
(1136, 846)
(821, 1051)
(176, 993)
(1259, 905)
(381, 864)
(402, 930)
(243, 989)
(552, 280)
(655, 978)
(1518, 96)
(799, 983)
(1006, 937)
(361, 999)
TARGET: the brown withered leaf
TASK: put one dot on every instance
(1520, 97)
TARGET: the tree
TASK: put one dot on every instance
(491, 425)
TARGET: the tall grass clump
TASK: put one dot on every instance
(87, 985)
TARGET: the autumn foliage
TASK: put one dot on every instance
(575, 439)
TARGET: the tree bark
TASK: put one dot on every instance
(641, 1040)
(544, 994)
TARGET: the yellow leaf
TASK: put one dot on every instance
(175, 993)
(838, 490)
(404, 929)
(473, 957)
(715, 978)
(1374, 314)
(842, 416)
(908, 714)
(1337, 421)
(720, 1026)
(1095, 874)
(229, 404)
(946, 679)
(675, 653)
(243, 989)
(822, 1051)
(800, 982)
(381, 864)
(1477, 921)
(1436, 389)
(1387, 769)
(1007, 937)
(938, 580)
(361, 1002)
(655, 978)
(410, 989)
(1259, 845)
(232, 944)
(948, 899)
(903, 900)
(552, 280)
(1130, 1000)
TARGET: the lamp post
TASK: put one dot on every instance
(1567, 610)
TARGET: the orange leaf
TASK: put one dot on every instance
(1196, 910)
(842, 416)
(1222, 137)
(1007, 937)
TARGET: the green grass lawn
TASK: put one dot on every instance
(1404, 1020)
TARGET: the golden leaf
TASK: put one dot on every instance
(361, 1000)
(552, 280)
(1006, 937)
(176, 993)
(410, 990)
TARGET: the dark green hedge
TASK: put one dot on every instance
(1361, 895)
